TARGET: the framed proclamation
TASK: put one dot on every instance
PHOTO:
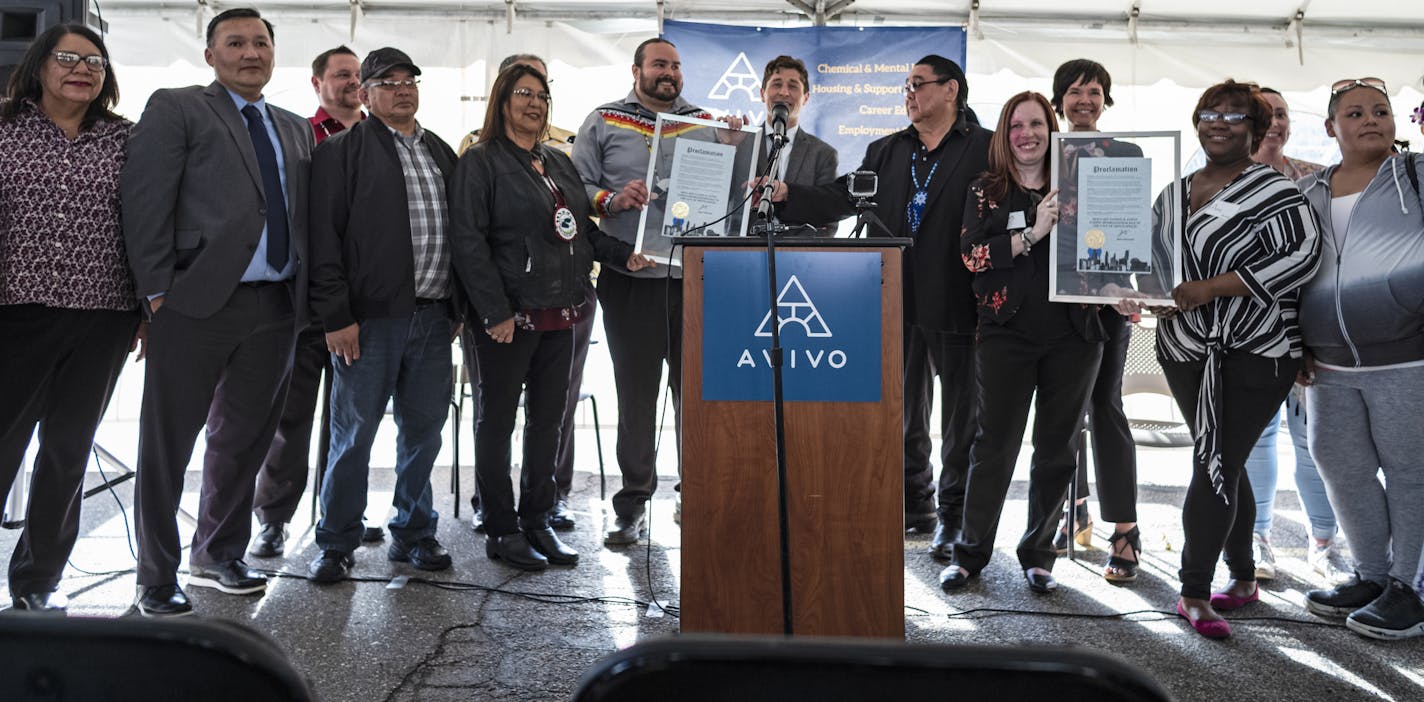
(1106, 246)
(698, 175)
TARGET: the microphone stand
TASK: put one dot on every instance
(770, 230)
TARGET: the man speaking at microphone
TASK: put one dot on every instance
(805, 159)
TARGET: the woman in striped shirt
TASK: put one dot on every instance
(1229, 346)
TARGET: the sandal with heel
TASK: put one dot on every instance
(1081, 525)
(1121, 570)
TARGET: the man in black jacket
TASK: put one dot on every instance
(382, 282)
(924, 172)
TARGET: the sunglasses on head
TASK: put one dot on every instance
(1341, 86)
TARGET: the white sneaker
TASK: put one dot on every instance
(1264, 557)
(1327, 561)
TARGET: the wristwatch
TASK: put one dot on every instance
(1027, 241)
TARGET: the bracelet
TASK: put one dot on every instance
(607, 203)
(1027, 242)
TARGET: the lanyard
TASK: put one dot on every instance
(915, 210)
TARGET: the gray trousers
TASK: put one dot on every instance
(1363, 423)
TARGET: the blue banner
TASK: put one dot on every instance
(828, 306)
(857, 74)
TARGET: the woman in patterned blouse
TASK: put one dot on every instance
(66, 294)
(1229, 347)
(1027, 347)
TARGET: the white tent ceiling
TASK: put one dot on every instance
(1161, 52)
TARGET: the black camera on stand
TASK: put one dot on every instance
(862, 187)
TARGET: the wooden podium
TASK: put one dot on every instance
(844, 477)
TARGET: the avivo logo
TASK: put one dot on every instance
(828, 313)
(794, 306)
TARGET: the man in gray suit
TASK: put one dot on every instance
(805, 160)
(214, 199)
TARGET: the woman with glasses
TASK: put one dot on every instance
(1081, 90)
(1363, 325)
(1261, 466)
(523, 246)
(1229, 345)
(66, 294)
(1028, 348)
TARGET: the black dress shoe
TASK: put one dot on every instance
(478, 521)
(331, 566)
(626, 530)
(1042, 583)
(425, 554)
(232, 577)
(953, 577)
(271, 541)
(162, 601)
(47, 602)
(372, 534)
(545, 541)
(515, 550)
(561, 517)
(942, 545)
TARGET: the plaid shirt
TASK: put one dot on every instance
(429, 215)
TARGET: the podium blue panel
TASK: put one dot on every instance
(829, 312)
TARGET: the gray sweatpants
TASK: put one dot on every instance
(1363, 423)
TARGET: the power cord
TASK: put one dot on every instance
(123, 513)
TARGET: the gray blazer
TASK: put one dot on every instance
(812, 162)
(193, 202)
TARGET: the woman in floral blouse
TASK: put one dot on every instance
(1027, 346)
(66, 295)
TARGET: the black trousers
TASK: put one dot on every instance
(928, 353)
(59, 374)
(283, 476)
(564, 461)
(228, 372)
(536, 363)
(1114, 452)
(642, 318)
(1251, 391)
(1013, 368)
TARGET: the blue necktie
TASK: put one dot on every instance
(277, 240)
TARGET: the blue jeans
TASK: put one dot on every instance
(404, 357)
(1261, 471)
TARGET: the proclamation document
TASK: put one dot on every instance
(1107, 246)
(1114, 215)
(698, 175)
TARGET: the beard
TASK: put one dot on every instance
(663, 88)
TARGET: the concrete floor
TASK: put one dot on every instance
(488, 632)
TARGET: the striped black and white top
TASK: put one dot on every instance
(1261, 228)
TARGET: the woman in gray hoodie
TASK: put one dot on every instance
(1362, 322)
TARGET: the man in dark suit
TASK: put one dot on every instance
(805, 159)
(214, 197)
(924, 173)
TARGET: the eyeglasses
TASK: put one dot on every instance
(529, 94)
(394, 84)
(911, 87)
(1227, 117)
(1341, 86)
(69, 59)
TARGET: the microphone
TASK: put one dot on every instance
(780, 113)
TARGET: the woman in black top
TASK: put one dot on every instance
(523, 246)
(1027, 346)
(1081, 90)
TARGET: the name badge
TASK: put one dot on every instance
(1222, 209)
(1016, 220)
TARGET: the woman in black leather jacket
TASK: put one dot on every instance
(523, 244)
